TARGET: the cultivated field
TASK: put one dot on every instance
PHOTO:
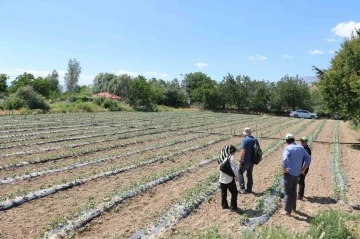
(121, 175)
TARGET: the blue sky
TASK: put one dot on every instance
(164, 38)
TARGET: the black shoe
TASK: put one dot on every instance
(235, 209)
(248, 191)
(226, 207)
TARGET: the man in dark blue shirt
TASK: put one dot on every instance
(246, 165)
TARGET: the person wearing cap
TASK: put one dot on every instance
(304, 142)
(245, 162)
(292, 163)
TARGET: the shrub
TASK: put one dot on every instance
(99, 100)
(33, 99)
(334, 224)
(108, 103)
(86, 106)
(14, 103)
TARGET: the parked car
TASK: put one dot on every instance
(303, 114)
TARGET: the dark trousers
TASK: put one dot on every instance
(290, 188)
(232, 188)
(302, 183)
(248, 168)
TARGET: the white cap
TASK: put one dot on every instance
(289, 136)
(247, 131)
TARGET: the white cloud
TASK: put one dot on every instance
(316, 52)
(152, 73)
(201, 65)
(130, 73)
(257, 57)
(287, 57)
(331, 52)
(344, 29)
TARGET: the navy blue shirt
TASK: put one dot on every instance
(248, 144)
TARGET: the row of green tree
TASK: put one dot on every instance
(240, 92)
(336, 91)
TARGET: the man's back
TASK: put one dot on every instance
(293, 158)
(248, 144)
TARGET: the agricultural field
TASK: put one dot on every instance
(154, 175)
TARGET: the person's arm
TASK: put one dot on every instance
(242, 154)
(285, 160)
(234, 167)
(307, 159)
(243, 151)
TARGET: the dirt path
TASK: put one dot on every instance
(211, 214)
(351, 161)
(319, 186)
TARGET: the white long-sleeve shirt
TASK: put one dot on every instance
(224, 178)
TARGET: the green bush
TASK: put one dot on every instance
(14, 103)
(108, 103)
(86, 106)
(334, 224)
(99, 100)
(83, 98)
(33, 99)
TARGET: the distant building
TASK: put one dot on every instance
(107, 95)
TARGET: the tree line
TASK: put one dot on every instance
(238, 92)
(336, 91)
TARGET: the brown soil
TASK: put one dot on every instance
(146, 138)
(351, 161)
(56, 178)
(319, 188)
(78, 196)
(211, 214)
(144, 209)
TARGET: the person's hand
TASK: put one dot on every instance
(303, 172)
(236, 179)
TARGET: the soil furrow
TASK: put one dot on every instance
(351, 162)
(210, 214)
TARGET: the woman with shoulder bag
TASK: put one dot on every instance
(228, 175)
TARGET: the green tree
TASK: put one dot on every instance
(340, 83)
(196, 85)
(175, 95)
(140, 92)
(3, 83)
(73, 75)
(237, 89)
(104, 82)
(21, 81)
(54, 82)
(120, 86)
(157, 90)
(42, 86)
(292, 93)
(262, 96)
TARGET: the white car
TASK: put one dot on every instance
(303, 114)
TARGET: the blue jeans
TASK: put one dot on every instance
(249, 170)
(290, 187)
